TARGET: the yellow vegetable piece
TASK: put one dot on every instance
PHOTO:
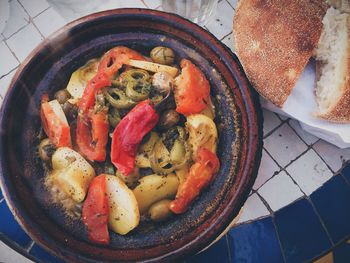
(71, 173)
(153, 188)
(153, 67)
(202, 133)
(80, 78)
(124, 213)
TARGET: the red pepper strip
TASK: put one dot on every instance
(93, 146)
(192, 90)
(55, 128)
(92, 141)
(129, 133)
(95, 211)
(99, 81)
(200, 175)
(114, 59)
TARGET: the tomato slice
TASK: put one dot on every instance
(192, 89)
(200, 175)
(95, 211)
(92, 140)
(54, 123)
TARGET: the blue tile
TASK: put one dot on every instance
(43, 256)
(341, 254)
(255, 242)
(300, 231)
(346, 172)
(216, 253)
(332, 201)
(10, 228)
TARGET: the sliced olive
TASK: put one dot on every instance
(46, 149)
(62, 96)
(70, 110)
(168, 119)
(163, 55)
(160, 210)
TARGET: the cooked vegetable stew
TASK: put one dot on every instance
(130, 137)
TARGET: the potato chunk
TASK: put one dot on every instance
(124, 213)
(153, 188)
(71, 173)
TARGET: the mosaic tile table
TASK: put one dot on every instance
(299, 208)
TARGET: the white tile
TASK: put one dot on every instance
(49, 21)
(280, 191)
(309, 171)
(253, 208)
(18, 19)
(332, 155)
(284, 145)
(267, 169)
(282, 117)
(153, 3)
(24, 41)
(5, 82)
(233, 3)
(8, 255)
(305, 136)
(8, 61)
(34, 7)
(228, 41)
(221, 24)
(271, 121)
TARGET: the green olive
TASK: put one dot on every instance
(46, 149)
(62, 96)
(168, 119)
(163, 55)
(160, 210)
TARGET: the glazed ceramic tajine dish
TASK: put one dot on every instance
(48, 69)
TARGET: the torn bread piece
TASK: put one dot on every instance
(274, 40)
(333, 66)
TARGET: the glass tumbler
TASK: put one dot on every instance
(198, 11)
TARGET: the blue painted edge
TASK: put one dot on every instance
(13, 245)
(301, 232)
(42, 255)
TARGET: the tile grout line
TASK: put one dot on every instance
(265, 203)
(274, 129)
(319, 155)
(31, 20)
(228, 248)
(145, 3)
(320, 219)
(299, 135)
(14, 54)
(30, 246)
(41, 12)
(278, 238)
(15, 68)
(225, 36)
(283, 168)
(234, 9)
